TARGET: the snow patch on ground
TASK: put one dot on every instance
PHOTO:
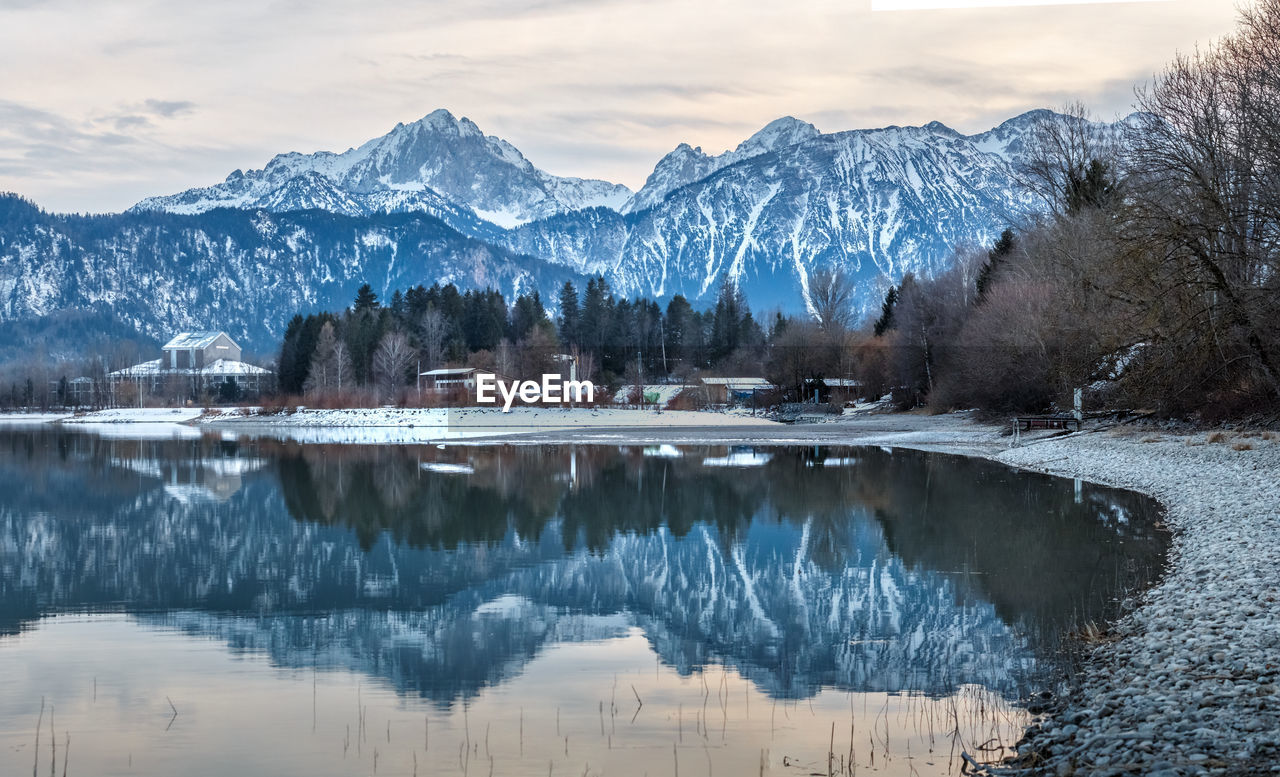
(407, 425)
(137, 415)
(31, 418)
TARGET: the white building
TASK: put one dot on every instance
(451, 378)
(197, 362)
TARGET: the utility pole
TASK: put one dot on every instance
(662, 340)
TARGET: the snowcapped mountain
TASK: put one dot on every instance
(787, 201)
(876, 203)
(686, 165)
(245, 271)
(436, 164)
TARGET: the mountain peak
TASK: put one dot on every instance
(685, 165)
(439, 115)
(938, 128)
(438, 161)
(442, 120)
(779, 133)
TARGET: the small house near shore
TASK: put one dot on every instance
(724, 391)
(838, 391)
(447, 379)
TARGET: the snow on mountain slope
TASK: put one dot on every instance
(788, 200)
(448, 160)
(243, 271)
(685, 165)
(875, 203)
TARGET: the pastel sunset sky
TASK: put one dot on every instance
(102, 104)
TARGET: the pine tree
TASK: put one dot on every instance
(1093, 187)
(726, 325)
(366, 299)
(885, 322)
(593, 321)
(676, 325)
(291, 373)
(995, 257)
(569, 314)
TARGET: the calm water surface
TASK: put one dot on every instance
(223, 606)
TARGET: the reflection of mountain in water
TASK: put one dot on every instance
(882, 573)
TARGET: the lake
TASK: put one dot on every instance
(219, 605)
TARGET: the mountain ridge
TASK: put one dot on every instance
(438, 157)
(785, 202)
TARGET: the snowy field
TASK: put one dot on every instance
(137, 415)
(131, 423)
(405, 425)
(387, 425)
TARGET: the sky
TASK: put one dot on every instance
(105, 103)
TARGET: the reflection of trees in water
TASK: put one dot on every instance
(1024, 541)
(1029, 543)
(374, 490)
(596, 492)
(809, 570)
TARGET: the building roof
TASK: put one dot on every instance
(221, 367)
(194, 340)
(232, 367)
(445, 372)
(138, 370)
(739, 384)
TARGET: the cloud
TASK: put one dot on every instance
(169, 108)
(953, 5)
(149, 97)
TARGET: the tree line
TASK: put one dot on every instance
(383, 347)
(1152, 280)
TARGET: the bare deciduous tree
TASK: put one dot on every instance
(1067, 152)
(433, 331)
(1205, 215)
(391, 362)
(831, 297)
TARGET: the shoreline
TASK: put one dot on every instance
(1187, 682)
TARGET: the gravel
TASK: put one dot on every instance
(1190, 684)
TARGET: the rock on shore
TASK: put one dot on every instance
(1190, 684)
